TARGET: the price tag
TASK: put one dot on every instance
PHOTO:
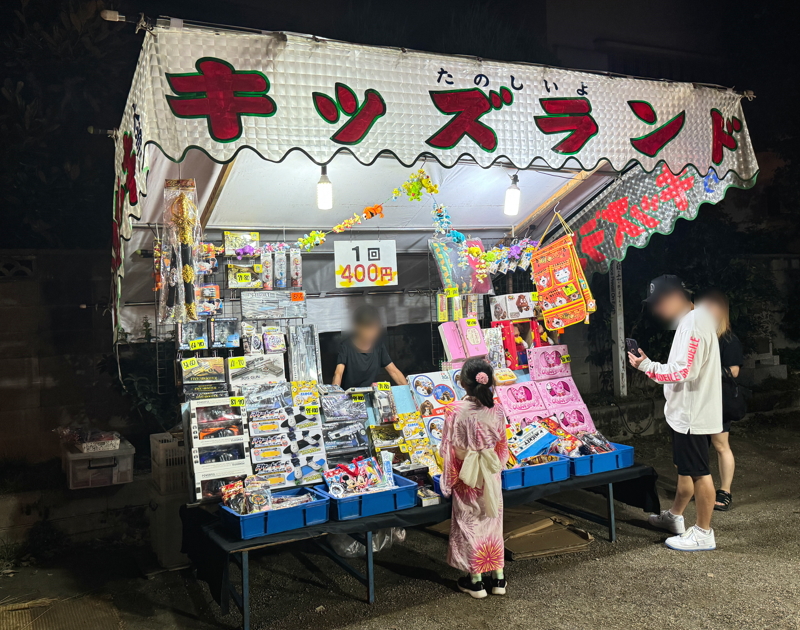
(237, 401)
(384, 387)
(358, 264)
(197, 344)
(566, 358)
(312, 409)
(570, 289)
(243, 278)
(255, 236)
(298, 296)
(472, 322)
(258, 268)
(535, 296)
(236, 363)
(451, 292)
(188, 364)
(358, 397)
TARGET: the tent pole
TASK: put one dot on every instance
(618, 352)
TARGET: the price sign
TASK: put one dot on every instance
(472, 322)
(255, 236)
(312, 409)
(384, 387)
(197, 344)
(236, 363)
(570, 289)
(298, 296)
(365, 263)
(243, 277)
(358, 397)
(237, 401)
(452, 292)
(566, 358)
(535, 296)
(258, 268)
(189, 364)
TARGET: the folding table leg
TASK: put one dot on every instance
(612, 521)
(370, 571)
(245, 590)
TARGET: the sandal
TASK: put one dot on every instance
(723, 502)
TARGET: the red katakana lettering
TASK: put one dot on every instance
(221, 95)
(568, 114)
(649, 205)
(591, 239)
(361, 118)
(722, 135)
(675, 187)
(650, 144)
(468, 106)
(129, 168)
(615, 213)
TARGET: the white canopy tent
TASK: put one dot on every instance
(252, 116)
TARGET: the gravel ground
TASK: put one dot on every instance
(751, 580)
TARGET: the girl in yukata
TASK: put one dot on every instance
(474, 450)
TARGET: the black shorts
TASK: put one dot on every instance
(690, 453)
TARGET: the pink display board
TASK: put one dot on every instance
(575, 418)
(559, 392)
(520, 399)
(545, 363)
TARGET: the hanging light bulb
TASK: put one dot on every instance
(324, 191)
(511, 206)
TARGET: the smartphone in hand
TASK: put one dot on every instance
(632, 346)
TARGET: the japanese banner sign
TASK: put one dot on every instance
(273, 92)
(641, 204)
(365, 263)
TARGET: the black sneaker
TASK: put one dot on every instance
(475, 589)
(498, 586)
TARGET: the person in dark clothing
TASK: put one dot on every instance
(732, 357)
(363, 353)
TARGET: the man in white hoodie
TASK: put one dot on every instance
(692, 380)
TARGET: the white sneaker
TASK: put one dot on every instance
(694, 539)
(668, 521)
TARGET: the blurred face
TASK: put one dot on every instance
(671, 306)
(368, 333)
(714, 308)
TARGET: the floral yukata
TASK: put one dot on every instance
(472, 432)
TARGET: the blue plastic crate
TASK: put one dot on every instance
(527, 476)
(400, 498)
(622, 457)
(247, 526)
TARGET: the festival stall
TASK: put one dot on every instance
(277, 178)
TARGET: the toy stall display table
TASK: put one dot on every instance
(212, 549)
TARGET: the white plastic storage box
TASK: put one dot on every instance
(101, 468)
(168, 463)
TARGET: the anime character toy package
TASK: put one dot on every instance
(558, 392)
(383, 403)
(575, 419)
(520, 399)
(362, 476)
(548, 362)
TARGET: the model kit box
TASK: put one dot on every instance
(203, 370)
(274, 305)
(266, 421)
(342, 436)
(222, 460)
(256, 368)
(285, 446)
(266, 395)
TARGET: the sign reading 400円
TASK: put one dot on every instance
(365, 263)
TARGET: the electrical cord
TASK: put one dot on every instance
(625, 419)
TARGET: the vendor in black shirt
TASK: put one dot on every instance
(363, 353)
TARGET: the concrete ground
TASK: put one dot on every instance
(752, 580)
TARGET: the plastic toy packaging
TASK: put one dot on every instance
(296, 268)
(274, 340)
(207, 298)
(279, 270)
(241, 244)
(243, 277)
(223, 332)
(383, 403)
(266, 271)
(304, 355)
(233, 497)
(180, 251)
(340, 407)
(252, 342)
(192, 335)
(207, 261)
(257, 494)
(597, 442)
(362, 476)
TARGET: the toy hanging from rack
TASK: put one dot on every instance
(179, 251)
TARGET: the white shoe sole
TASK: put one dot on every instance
(690, 548)
(474, 594)
(498, 591)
